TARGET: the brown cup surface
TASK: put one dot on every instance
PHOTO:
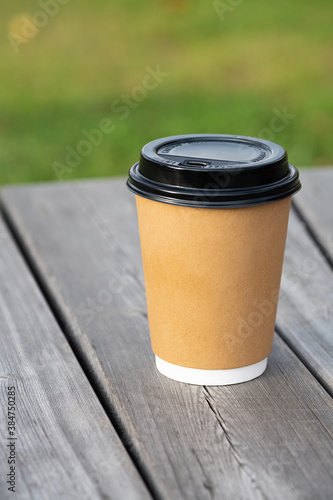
(212, 281)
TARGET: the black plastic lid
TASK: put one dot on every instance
(213, 171)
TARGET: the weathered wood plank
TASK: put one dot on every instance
(315, 205)
(305, 312)
(305, 315)
(66, 447)
(269, 438)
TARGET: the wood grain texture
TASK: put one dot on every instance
(270, 438)
(66, 447)
(315, 205)
(305, 312)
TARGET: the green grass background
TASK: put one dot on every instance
(225, 76)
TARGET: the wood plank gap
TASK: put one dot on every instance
(65, 324)
(303, 359)
(312, 233)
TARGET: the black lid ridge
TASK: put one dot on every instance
(213, 171)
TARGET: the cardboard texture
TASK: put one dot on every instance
(212, 281)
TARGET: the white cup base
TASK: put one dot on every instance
(210, 377)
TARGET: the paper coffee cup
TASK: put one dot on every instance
(213, 215)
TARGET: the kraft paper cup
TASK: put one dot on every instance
(212, 270)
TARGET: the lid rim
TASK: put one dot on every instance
(218, 205)
(215, 198)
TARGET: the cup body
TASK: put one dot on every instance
(212, 280)
(213, 213)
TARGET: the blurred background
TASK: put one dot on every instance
(84, 85)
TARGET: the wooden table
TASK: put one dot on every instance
(94, 418)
